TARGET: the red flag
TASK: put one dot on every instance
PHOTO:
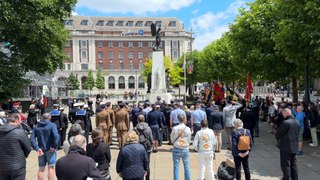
(249, 89)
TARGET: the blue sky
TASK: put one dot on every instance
(208, 18)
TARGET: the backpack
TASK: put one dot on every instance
(143, 139)
(244, 142)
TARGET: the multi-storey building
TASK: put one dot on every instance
(119, 46)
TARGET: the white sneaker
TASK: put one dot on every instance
(312, 145)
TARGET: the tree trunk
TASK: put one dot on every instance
(294, 89)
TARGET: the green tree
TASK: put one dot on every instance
(175, 71)
(253, 46)
(35, 36)
(89, 83)
(100, 80)
(73, 82)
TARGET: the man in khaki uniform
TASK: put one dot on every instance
(103, 122)
(111, 121)
(122, 123)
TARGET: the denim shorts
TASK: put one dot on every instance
(47, 158)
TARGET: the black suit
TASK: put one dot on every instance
(288, 143)
(249, 121)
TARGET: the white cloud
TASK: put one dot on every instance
(194, 12)
(210, 26)
(137, 7)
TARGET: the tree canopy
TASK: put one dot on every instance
(89, 83)
(34, 34)
(100, 84)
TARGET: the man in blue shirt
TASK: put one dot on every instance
(45, 140)
(174, 115)
(300, 118)
(197, 116)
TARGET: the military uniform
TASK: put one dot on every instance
(83, 116)
(122, 124)
(112, 122)
(57, 119)
(103, 123)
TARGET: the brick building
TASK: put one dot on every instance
(119, 47)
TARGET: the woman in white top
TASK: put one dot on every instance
(204, 142)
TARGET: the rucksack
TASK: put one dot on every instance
(244, 142)
(143, 139)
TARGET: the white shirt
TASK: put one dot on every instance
(229, 114)
(184, 140)
(204, 141)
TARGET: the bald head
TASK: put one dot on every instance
(299, 109)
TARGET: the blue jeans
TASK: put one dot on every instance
(196, 128)
(185, 156)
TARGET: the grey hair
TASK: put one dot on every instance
(13, 118)
(287, 111)
(238, 123)
(79, 141)
(46, 116)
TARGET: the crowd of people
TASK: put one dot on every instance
(200, 124)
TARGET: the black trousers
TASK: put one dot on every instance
(289, 167)
(13, 177)
(251, 132)
(245, 163)
(148, 172)
(63, 134)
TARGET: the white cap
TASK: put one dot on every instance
(75, 104)
(102, 103)
(85, 106)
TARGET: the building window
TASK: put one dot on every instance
(84, 54)
(141, 82)
(68, 44)
(122, 84)
(110, 55)
(131, 55)
(130, 23)
(110, 44)
(130, 44)
(175, 44)
(83, 44)
(120, 23)
(84, 22)
(131, 82)
(111, 83)
(121, 66)
(148, 23)
(120, 56)
(140, 44)
(68, 22)
(101, 66)
(100, 23)
(140, 55)
(111, 67)
(68, 66)
(100, 55)
(131, 66)
(100, 44)
(175, 54)
(140, 66)
(139, 24)
(84, 66)
(120, 44)
(172, 24)
(150, 44)
(158, 23)
(149, 54)
(110, 23)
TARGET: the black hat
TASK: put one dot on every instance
(119, 102)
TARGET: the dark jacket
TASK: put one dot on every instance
(32, 116)
(132, 161)
(313, 118)
(155, 118)
(236, 133)
(75, 165)
(143, 127)
(100, 154)
(14, 149)
(288, 135)
(215, 121)
(44, 136)
(249, 119)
